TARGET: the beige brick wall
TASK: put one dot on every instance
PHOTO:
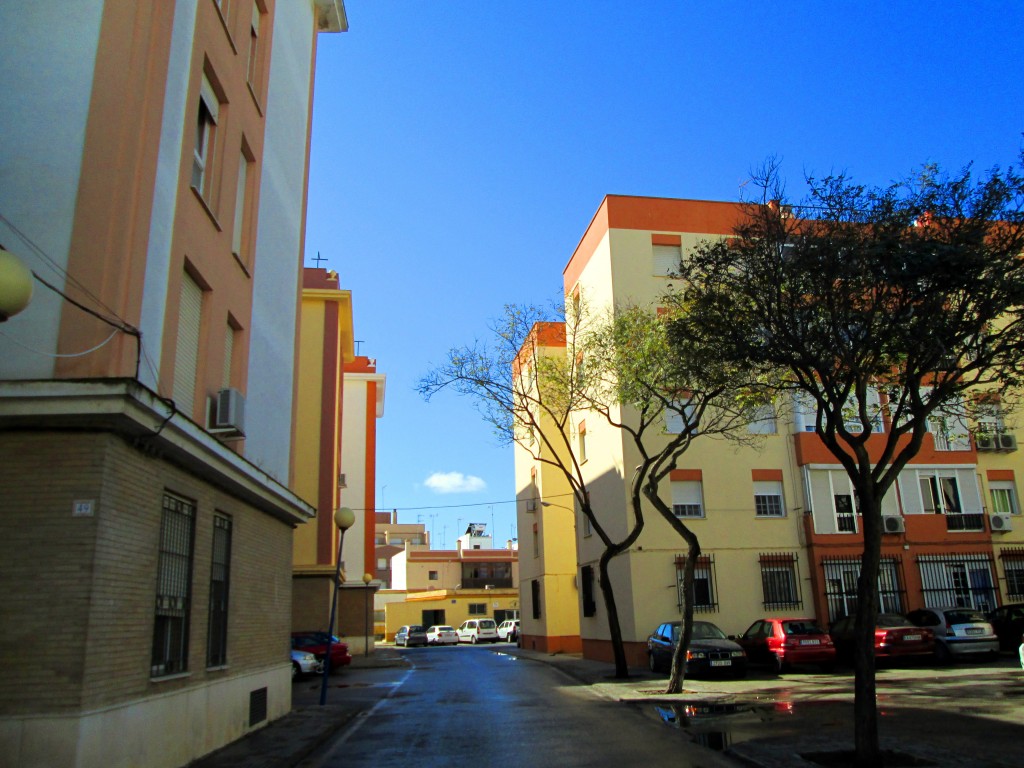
(78, 597)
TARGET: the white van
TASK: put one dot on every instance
(478, 631)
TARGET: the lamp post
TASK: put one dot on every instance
(15, 285)
(344, 518)
(367, 578)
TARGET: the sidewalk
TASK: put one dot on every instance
(786, 717)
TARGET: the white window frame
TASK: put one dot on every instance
(688, 498)
(769, 489)
(1004, 497)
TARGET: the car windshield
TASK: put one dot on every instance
(801, 628)
(415, 628)
(487, 624)
(702, 630)
(443, 629)
(891, 620)
(964, 617)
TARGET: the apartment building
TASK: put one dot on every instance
(777, 523)
(392, 537)
(340, 398)
(154, 158)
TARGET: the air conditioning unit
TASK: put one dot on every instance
(893, 524)
(1001, 523)
(1007, 441)
(531, 505)
(985, 441)
(341, 480)
(229, 412)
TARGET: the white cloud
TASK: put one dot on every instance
(454, 482)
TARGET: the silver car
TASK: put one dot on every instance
(304, 663)
(959, 632)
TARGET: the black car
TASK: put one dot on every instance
(1008, 622)
(710, 652)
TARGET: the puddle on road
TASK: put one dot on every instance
(509, 656)
(719, 725)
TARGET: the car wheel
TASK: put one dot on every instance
(779, 664)
(472, 640)
(651, 663)
(942, 654)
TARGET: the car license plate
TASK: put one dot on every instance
(722, 663)
(911, 638)
(810, 642)
(975, 631)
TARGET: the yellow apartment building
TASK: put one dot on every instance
(777, 522)
(147, 391)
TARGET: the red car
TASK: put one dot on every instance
(316, 643)
(784, 642)
(895, 637)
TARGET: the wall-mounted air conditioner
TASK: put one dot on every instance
(531, 505)
(341, 480)
(228, 415)
(985, 441)
(893, 524)
(1007, 441)
(1001, 523)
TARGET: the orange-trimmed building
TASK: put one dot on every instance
(777, 524)
(155, 159)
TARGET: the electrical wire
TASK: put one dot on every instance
(57, 354)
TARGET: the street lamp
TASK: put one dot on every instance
(344, 518)
(367, 578)
(15, 285)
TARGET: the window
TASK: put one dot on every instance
(964, 581)
(680, 417)
(478, 609)
(846, 518)
(239, 230)
(535, 597)
(763, 421)
(779, 581)
(587, 528)
(768, 498)
(1013, 565)
(582, 440)
(432, 575)
(587, 590)
(220, 579)
(186, 357)
(687, 498)
(667, 259)
(536, 541)
(382, 563)
(703, 583)
(174, 587)
(205, 146)
(1004, 498)
(940, 495)
(255, 66)
(841, 577)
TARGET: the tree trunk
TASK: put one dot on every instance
(678, 674)
(618, 652)
(865, 709)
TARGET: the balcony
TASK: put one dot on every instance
(965, 521)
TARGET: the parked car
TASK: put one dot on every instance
(710, 651)
(316, 643)
(783, 642)
(411, 634)
(1008, 623)
(304, 663)
(509, 630)
(478, 631)
(959, 632)
(895, 637)
(442, 634)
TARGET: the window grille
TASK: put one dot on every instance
(535, 597)
(174, 587)
(841, 576)
(964, 581)
(705, 598)
(587, 590)
(220, 573)
(780, 580)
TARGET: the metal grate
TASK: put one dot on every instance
(257, 706)
(174, 587)
(963, 581)
(780, 580)
(705, 596)
(841, 575)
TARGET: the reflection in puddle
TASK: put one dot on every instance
(718, 725)
(509, 656)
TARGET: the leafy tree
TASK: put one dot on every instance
(914, 291)
(636, 383)
(529, 396)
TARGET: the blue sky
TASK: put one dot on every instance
(461, 147)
